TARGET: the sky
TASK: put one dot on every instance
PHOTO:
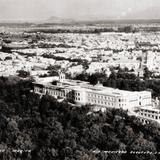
(78, 9)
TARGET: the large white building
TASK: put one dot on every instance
(149, 113)
(82, 93)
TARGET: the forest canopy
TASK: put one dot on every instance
(55, 130)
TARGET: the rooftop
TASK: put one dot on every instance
(85, 86)
(150, 108)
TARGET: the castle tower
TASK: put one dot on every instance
(61, 77)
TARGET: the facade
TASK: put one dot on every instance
(147, 114)
(83, 93)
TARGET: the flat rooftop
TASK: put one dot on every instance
(85, 86)
(150, 108)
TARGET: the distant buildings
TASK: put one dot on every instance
(14, 45)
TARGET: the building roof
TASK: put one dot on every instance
(85, 86)
(150, 108)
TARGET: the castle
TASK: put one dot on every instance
(82, 93)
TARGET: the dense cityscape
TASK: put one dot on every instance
(78, 91)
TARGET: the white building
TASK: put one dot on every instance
(80, 92)
(147, 114)
(150, 60)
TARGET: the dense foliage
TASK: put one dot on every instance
(55, 130)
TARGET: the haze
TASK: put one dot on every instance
(79, 9)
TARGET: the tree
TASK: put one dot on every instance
(93, 79)
(147, 74)
(23, 74)
(113, 75)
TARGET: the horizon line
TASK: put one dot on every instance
(77, 21)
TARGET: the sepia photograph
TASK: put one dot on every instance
(79, 80)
